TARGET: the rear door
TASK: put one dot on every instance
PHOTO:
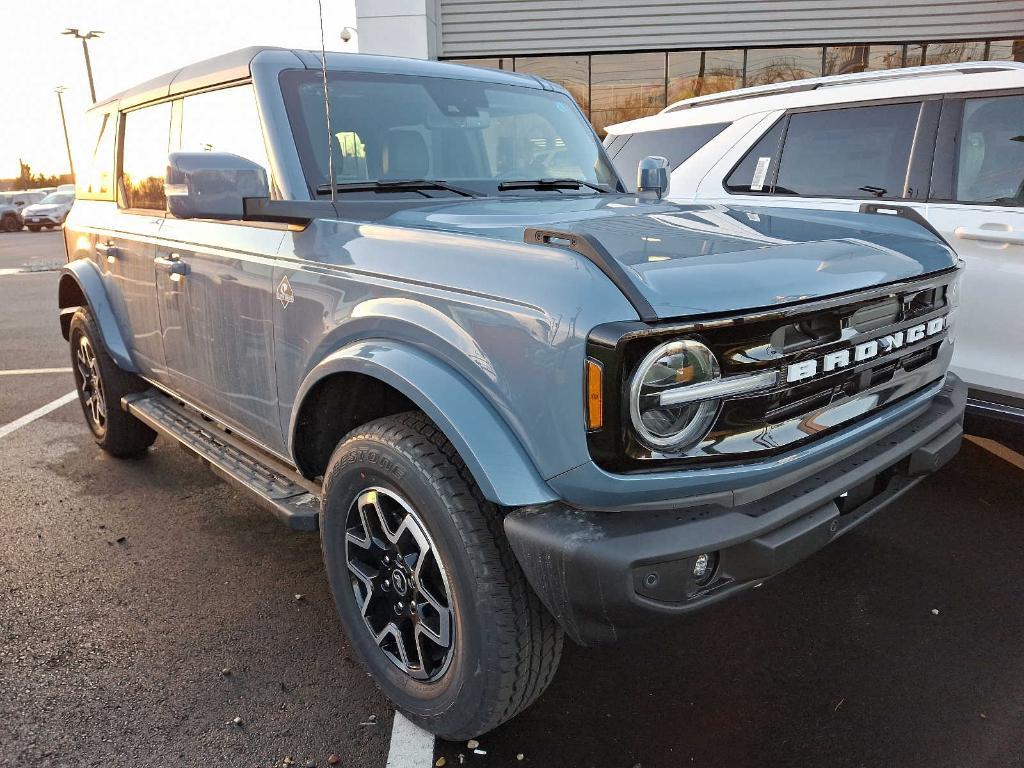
(214, 282)
(125, 240)
(978, 205)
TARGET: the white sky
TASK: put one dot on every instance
(142, 39)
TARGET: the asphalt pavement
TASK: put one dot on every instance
(145, 605)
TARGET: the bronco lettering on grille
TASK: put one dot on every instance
(806, 369)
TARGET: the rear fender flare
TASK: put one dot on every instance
(84, 274)
(493, 454)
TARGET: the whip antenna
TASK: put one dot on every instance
(327, 102)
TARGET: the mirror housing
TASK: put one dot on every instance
(652, 178)
(212, 185)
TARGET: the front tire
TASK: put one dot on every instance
(10, 223)
(427, 588)
(101, 385)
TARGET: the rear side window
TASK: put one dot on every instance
(853, 152)
(676, 145)
(97, 181)
(144, 157)
(990, 167)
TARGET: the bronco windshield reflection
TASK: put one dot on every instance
(479, 136)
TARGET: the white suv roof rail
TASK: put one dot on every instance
(813, 83)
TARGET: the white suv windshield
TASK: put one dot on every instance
(57, 198)
(470, 133)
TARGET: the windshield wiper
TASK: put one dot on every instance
(395, 185)
(551, 184)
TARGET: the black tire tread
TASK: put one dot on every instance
(531, 638)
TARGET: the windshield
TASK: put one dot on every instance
(468, 133)
(57, 198)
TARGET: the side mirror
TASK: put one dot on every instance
(652, 174)
(212, 185)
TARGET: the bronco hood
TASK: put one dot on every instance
(700, 259)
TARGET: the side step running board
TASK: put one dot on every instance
(277, 487)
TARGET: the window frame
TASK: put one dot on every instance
(919, 161)
(942, 189)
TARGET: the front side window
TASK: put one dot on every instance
(858, 152)
(144, 157)
(225, 120)
(990, 167)
(756, 171)
(469, 133)
(676, 145)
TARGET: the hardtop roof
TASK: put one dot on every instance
(236, 65)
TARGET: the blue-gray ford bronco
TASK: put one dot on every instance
(410, 305)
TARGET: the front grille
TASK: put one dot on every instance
(795, 411)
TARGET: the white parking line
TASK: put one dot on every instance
(411, 746)
(28, 371)
(28, 418)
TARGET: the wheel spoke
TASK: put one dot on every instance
(399, 584)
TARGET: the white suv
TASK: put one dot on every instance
(947, 141)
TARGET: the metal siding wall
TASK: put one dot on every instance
(509, 27)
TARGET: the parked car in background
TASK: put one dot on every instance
(518, 401)
(47, 190)
(12, 206)
(946, 141)
(48, 212)
(65, 188)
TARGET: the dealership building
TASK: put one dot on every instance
(625, 60)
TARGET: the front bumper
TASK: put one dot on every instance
(605, 574)
(44, 220)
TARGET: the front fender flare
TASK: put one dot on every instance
(494, 455)
(85, 275)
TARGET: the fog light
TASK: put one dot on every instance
(700, 567)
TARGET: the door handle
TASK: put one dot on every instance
(983, 234)
(107, 249)
(173, 264)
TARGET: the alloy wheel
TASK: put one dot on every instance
(400, 584)
(90, 384)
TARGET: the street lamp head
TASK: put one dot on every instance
(82, 35)
(60, 88)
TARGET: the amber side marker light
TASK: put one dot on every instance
(595, 394)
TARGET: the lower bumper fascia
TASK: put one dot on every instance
(605, 575)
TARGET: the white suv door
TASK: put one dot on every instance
(978, 206)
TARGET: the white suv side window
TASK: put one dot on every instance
(990, 168)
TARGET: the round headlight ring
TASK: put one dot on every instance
(673, 364)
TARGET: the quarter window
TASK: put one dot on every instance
(144, 157)
(854, 152)
(990, 166)
(97, 181)
(756, 170)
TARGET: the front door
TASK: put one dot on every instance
(983, 219)
(215, 292)
(215, 282)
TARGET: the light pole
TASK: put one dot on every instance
(85, 37)
(59, 90)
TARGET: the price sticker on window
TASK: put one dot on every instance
(760, 172)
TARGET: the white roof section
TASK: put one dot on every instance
(836, 89)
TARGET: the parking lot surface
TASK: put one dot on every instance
(144, 605)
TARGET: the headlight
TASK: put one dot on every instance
(664, 426)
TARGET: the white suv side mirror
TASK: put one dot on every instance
(652, 177)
